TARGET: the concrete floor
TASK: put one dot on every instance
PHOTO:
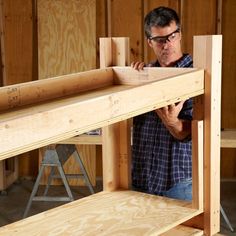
(14, 200)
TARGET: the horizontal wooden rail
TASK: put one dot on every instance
(83, 139)
(57, 87)
(38, 125)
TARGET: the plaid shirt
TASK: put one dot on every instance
(160, 161)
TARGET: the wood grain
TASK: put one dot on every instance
(16, 57)
(107, 213)
(125, 19)
(17, 41)
(228, 138)
(42, 90)
(182, 230)
(194, 15)
(66, 37)
(208, 55)
(228, 160)
(67, 43)
(41, 124)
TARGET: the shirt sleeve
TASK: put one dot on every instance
(187, 111)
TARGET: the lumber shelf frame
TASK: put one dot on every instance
(120, 211)
(107, 105)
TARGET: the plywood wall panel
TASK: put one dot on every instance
(17, 20)
(228, 160)
(66, 36)
(228, 163)
(101, 25)
(125, 20)
(198, 18)
(28, 164)
(229, 62)
(17, 33)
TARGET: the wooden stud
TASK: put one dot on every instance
(207, 55)
(115, 149)
(114, 51)
(197, 164)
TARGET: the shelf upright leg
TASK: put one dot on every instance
(116, 142)
(208, 55)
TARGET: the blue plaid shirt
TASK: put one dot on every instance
(160, 161)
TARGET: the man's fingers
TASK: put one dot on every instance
(171, 106)
(141, 65)
(181, 103)
(137, 65)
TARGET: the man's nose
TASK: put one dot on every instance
(166, 44)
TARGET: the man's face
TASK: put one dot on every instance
(167, 49)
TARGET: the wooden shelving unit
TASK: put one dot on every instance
(96, 108)
(119, 93)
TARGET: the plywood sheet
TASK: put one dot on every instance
(229, 84)
(17, 41)
(125, 19)
(66, 36)
(107, 213)
(198, 18)
(17, 19)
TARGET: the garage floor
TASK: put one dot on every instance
(14, 200)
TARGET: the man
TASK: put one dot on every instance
(162, 156)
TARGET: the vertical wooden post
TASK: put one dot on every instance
(116, 137)
(197, 163)
(207, 55)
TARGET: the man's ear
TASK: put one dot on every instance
(180, 35)
(149, 41)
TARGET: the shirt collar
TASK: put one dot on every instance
(185, 61)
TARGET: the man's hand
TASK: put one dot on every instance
(180, 129)
(137, 65)
(169, 114)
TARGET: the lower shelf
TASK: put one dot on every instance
(108, 213)
(182, 230)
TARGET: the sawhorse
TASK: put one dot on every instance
(56, 158)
